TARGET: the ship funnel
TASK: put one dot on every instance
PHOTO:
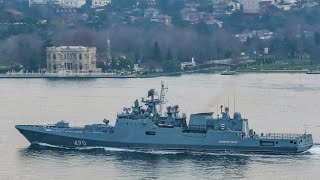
(237, 116)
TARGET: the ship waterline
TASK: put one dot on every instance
(217, 145)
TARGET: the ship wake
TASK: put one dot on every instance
(315, 150)
(107, 149)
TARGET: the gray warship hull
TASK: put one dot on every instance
(144, 127)
(164, 139)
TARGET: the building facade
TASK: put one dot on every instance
(32, 2)
(151, 2)
(72, 3)
(61, 3)
(73, 59)
(100, 3)
(41, 2)
(188, 64)
(250, 6)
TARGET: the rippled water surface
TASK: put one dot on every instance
(287, 103)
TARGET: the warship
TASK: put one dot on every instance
(144, 126)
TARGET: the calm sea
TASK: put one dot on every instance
(288, 103)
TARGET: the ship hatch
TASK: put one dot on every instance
(266, 143)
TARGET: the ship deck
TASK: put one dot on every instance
(283, 136)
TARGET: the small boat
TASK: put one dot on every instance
(228, 73)
(313, 72)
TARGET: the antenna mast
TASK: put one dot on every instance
(234, 104)
(162, 97)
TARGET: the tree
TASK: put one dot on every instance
(114, 63)
(25, 50)
(203, 28)
(169, 55)
(157, 52)
(102, 65)
(317, 38)
(172, 66)
(315, 55)
(121, 4)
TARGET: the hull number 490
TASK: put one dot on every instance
(80, 143)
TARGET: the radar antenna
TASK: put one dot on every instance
(162, 97)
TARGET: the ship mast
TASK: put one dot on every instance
(162, 97)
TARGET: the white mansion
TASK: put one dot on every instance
(72, 59)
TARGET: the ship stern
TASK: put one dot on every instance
(304, 143)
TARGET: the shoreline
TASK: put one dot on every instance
(272, 71)
(102, 75)
(77, 76)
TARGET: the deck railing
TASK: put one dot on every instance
(281, 136)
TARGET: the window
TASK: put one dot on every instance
(150, 133)
(54, 56)
(80, 56)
